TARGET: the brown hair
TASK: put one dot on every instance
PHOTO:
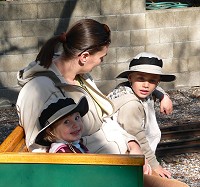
(48, 134)
(84, 35)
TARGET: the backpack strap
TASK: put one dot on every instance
(51, 75)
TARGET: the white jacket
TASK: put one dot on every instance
(37, 93)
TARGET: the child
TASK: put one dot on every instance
(62, 126)
(135, 105)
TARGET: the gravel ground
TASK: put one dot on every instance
(186, 102)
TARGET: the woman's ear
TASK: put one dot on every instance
(83, 57)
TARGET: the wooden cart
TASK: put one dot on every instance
(19, 168)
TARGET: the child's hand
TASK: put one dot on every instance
(166, 106)
(162, 172)
(147, 168)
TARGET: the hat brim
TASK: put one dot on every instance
(163, 77)
(81, 107)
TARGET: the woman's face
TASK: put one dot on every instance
(69, 128)
(143, 84)
(93, 60)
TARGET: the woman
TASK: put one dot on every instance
(84, 47)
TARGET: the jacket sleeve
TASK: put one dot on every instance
(159, 93)
(131, 117)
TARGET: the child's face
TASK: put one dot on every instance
(143, 84)
(69, 128)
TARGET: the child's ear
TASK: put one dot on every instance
(129, 77)
(83, 57)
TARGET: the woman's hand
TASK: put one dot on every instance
(162, 172)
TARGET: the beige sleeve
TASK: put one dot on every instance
(131, 116)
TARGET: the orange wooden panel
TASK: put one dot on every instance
(21, 146)
(72, 158)
(12, 140)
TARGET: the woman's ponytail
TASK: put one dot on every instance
(47, 51)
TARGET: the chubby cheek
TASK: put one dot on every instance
(62, 133)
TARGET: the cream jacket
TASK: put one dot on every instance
(37, 93)
(138, 118)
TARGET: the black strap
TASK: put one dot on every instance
(51, 75)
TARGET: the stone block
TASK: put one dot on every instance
(164, 50)
(131, 22)
(27, 58)
(120, 39)
(194, 33)
(86, 8)
(186, 49)
(106, 86)
(152, 36)
(10, 63)
(180, 34)
(13, 63)
(20, 11)
(120, 67)
(168, 85)
(194, 64)
(2, 31)
(21, 45)
(110, 20)
(188, 79)
(57, 9)
(38, 28)
(138, 6)
(187, 17)
(1, 11)
(8, 79)
(158, 19)
(11, 29)
(166, 35)
(175, 65)
(108, 7)
(138, 38)
(111, 56)
(96, 73)
(126, 53)
(108, 71)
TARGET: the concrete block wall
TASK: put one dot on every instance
(172, 34)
